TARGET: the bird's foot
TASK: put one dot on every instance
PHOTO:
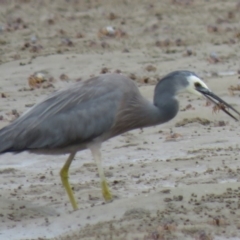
(106, 192)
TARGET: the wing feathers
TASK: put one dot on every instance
(72, 116)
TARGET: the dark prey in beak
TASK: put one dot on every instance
(222, 104)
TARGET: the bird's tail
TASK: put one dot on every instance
(6, 139)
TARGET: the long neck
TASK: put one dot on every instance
(166, 103)
(138, 112)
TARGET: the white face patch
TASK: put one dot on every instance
(191, 87)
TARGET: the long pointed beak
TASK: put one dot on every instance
(222, 104)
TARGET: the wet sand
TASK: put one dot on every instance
(179, 180)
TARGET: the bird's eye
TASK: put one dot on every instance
(197, 84)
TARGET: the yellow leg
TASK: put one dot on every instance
(64, 178)
(105, 190)
(95, 149)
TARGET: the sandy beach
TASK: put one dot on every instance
(179, 180)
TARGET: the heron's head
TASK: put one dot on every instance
(195, 85)
(186, 81)
(182, 82)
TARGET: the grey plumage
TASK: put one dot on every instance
(72, 116)
(103, 106)
(90, 112)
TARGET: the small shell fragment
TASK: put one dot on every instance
(110, 31)
(40, 80)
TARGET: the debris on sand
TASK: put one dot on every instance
(185, 121)
(233, 89)
(40, 80)
(173, 137)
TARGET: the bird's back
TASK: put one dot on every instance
(74, 116)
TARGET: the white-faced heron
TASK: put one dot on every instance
(93, 111)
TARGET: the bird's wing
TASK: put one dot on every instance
(73, 116)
